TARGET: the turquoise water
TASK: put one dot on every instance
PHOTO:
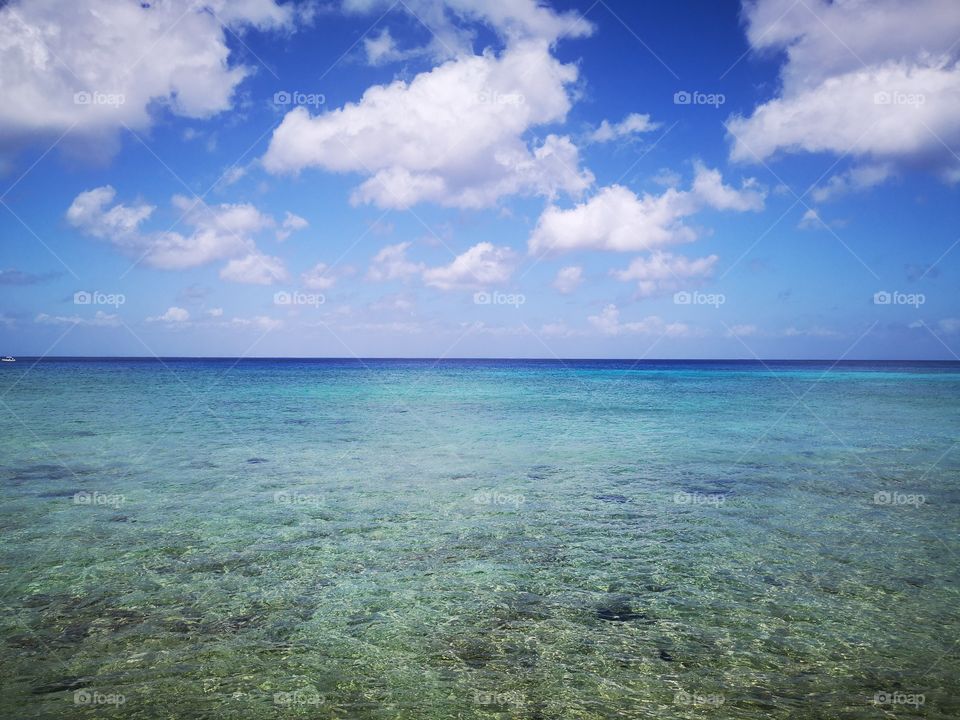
(479, 539)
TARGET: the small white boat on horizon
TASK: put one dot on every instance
(7, 358)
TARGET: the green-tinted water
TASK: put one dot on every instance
(390, 539)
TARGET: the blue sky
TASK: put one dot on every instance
(476, 178)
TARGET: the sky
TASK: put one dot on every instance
(480, 178)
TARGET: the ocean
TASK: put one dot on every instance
(479, 539)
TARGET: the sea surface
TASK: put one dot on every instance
(479, 539)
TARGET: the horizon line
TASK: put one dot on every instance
(466, 358)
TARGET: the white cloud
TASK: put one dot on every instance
(123, 58)
(219, 232)
(448, 21)
(815, 331)
(382, 49)
(664, 272)
(391, 263)
(260, 322)
(291, 223)
(100, 319)
(616, 219)
(452, 136)
(318, 278)
(255, 269)
(608, 323)
(949, 325)
(811, 221)
(557, 330)
(483, 264)
(856, 179)
(742, 331)
(631, 124)
(215, 312)
(568, 279)
(172, 315)
(877, 80)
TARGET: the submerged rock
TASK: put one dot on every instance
(618, 609)
(665, 656)
(256, 460)
(612, 498)
(69, 683)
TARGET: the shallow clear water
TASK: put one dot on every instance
(479, 539)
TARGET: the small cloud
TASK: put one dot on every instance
(568, 279)
(100, 319)
(811, 221)
(215, 312)
(259, 321)
(255, 269)
(172, 315)
(742, 331)
(663, 272)
(608, 323)
(949, 326)
(318, 278)
(291, 223)
(815, 331)
(483, 264)
(232, 175)
(631, 124)
(391, 263)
